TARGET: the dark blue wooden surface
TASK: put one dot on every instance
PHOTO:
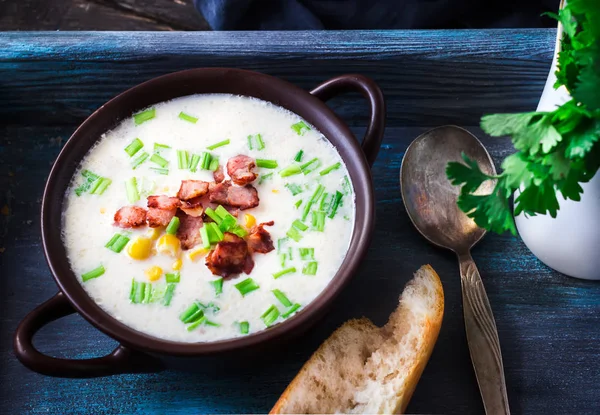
(549, 324)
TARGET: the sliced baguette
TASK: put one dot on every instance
(362, 368)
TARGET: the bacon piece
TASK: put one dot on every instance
(191, 189)
(163, 202)
(218, 174)
(161, 210)
(218, 192)
(193, 207)
(243, 197)
(240, 169)
(230, 257)
(260, 240)
(188, 232)
(130, 217)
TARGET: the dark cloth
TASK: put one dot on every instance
(375, 14)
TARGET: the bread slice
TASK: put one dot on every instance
(362, 368)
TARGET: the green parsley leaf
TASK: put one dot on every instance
(469, 176)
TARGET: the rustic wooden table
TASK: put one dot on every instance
(549, 324)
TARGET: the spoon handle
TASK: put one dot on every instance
(482, 337)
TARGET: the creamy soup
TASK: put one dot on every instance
(209, 272)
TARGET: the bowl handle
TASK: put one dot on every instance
(121, 360)
(369, 89)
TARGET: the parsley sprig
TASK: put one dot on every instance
(557, 150)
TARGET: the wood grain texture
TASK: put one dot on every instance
(548, 324)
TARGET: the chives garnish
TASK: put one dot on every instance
(317, 194)
(217, 285)
(280, 243)
(246, 286)
(214, 164)
(283, 272)
(299, 225)
(310, 268)
(255, 141)
(335, 204)
(270, 315)
(196, 323)
(266, 164)
(192, 313)
(144, 116)
(160, 171)
(156, 158)
(300, 128)
(169, 294)
(290, 254)
(294, 188)
(239, 231)
(318, 220)
(188, 118)
(228, 223)
(213, 214)
(95, 273)
(326, 200)
(307, 253)
(330, 168)
(310, 166)
(205, 161)
(282, 298)
(298, 156)
(135, 146)
(194, 163)
(294, 234)
(89, 179)
(214, 233)
(282, 258)
(215, 308)
(298, 203)
(244, 327)
(291, 310)
(117, 242)
(89, 175)
(264, 177)
(219, 144)
(173, 226)
(173, 277)
(346, 185)
(222, 212)
(101, 185)
(211, 323)
(159, 147)
(139, 160)
(290, 170)
(183, 159)
(204, 236)
(132, 191)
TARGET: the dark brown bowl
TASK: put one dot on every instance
(138, 351)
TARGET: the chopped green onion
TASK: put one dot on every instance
(244, 327)
(117, 242)
(160, 171)
(310, 268)
(290, 170)
(291, 310)
(299, 225)
(156, 158)
(139, 160)
(282, 258)
(307, 253)
(188, 118)
(280, 243)
(239, 231)
(211, 323)
(346, 185)
(89, 179)
(196, 323)
(294, 234)
(246, 286)
(255, 141)
(318, 220)
(217, 285)
(95, 273)
(222, 212)
(316, 195)
(132, 192)
(100, 186)
(204, 236)
(335, 204)
(214, 164)
(206, 159)
(159, 147)
(283, 272)
(310, 166)
(228, 223)
(270, 315)
(213, 215)
(282, 298)
(135, 146)
(326, 200)
(290, 253)
(298, 156)
(183, 159)
(144, 116)
(192, 313)
(298, 203)
(294, 188)
(194, 163)
(300, 128)
(89, 175)
(214, 233)
(264, 177)
(173, 277)
(219, 144)
(169, 294)
(330, 169)
(266, 164)
(212, 306)
(173, 226)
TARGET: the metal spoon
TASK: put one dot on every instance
(430, 201)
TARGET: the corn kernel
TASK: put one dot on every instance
(102, 210)
(275, 191)
(177, 265)
(168, 244)
(153, 273)
(153, 234)
(140, 248)
(250, 221)
(194, 254)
